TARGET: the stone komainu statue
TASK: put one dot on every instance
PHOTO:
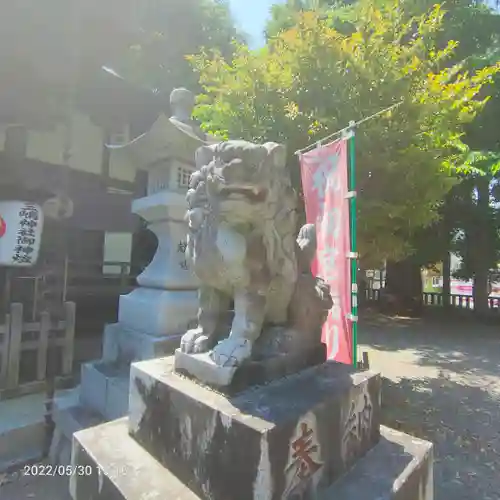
(242, 246)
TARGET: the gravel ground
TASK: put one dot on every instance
(441, 383)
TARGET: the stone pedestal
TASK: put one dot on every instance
(158, 313)
(166, 301)
(261, 441)
(122, 345)
(115, 467)
(312, 435)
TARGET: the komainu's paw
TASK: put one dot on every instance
(232, 351)
(195, 341)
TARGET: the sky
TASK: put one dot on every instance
(251, 16)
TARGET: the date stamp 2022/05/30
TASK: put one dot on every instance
(49, 470)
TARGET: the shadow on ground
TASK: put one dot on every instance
(453, 345)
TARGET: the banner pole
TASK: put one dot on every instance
(354, 261)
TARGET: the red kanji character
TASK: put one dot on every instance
(302, 449)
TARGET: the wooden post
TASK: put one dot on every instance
(69, 337)
(123, 275)
(4, 351)
(36, 292)
(366, 361)
(446, 293)
(7, 290)
(15, 344)
(65, 279)
(43, 346)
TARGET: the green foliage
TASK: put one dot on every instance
(311, 80)
(341, 14)
(473, 209)
(284, 16)
(476, 239)
(474, 24)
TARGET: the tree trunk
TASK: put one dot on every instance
(446, 294)
(403, 292)
(481, 250)
(480, 292)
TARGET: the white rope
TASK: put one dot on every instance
(346, 129)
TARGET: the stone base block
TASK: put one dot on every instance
(112, 466)
(400, 467)
(262, 442)
(124, 344)
(21, 444)
(116, 467)
(105, 389)
(158, 312)
(76, 418)
(201, 367)
(232, 380)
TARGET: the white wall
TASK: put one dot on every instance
(455, 262)
(117, 248)
(121, 168)
(86, 148)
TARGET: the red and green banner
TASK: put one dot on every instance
(328, 201)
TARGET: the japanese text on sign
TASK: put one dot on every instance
(29, 219)
(181, 248)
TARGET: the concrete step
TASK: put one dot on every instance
(22, 428)
(70, 419)
(114, 465)
(70, 416)
(400, 467)
(105, 389)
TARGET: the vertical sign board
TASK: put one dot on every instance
(21, 225)
(325, 186)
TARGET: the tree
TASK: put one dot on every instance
(284, 16)
(476, 220)
(471, 215)
(466, 217)
(478, 213)
(468, 223)
(311, 80)
(170, 31)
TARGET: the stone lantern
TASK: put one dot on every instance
(166, 301)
